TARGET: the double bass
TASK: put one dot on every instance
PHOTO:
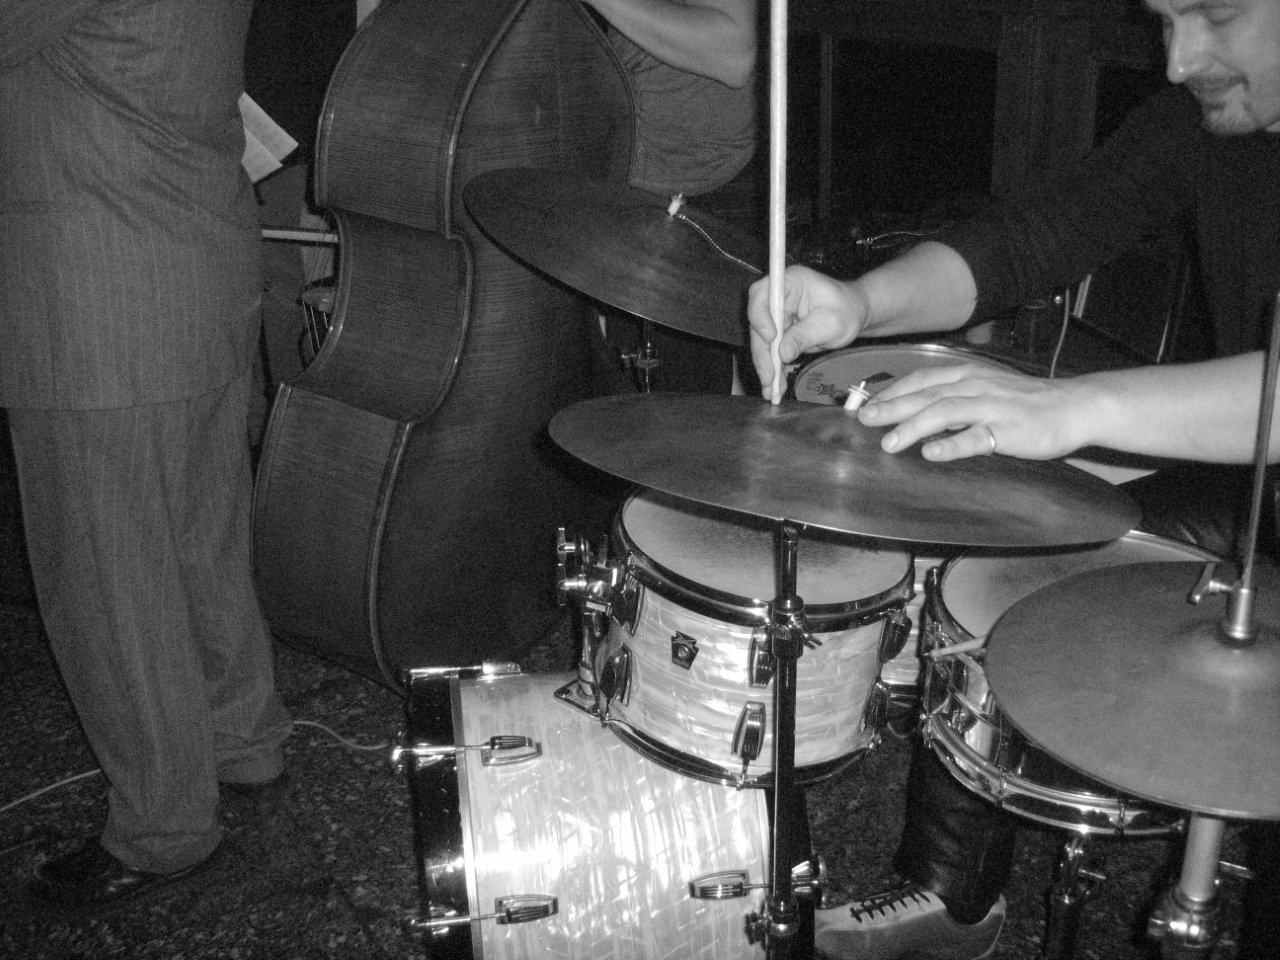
(407, 495)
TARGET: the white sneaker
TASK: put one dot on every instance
(907, 923)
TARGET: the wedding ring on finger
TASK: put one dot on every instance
(991, 436)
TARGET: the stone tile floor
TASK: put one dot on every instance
(330, 874)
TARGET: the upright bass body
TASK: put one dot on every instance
(407, 496)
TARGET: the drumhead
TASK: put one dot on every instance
(978, 589)
(734, 554)
(828, 378)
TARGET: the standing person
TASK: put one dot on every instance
(128, 301)
(1204, 153)
(691, 67)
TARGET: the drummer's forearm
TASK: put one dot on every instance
(1199, 411)
(928, 288)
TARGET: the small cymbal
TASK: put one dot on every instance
(818, 466)
(619, 245)
(1114, 672)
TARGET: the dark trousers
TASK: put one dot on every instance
(137, 526)
(960, 846)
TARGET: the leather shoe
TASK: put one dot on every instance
(89, 878)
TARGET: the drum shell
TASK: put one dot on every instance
(684, 715)
(614, 838)
(964, 723)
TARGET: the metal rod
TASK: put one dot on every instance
(1199, 880)
(1238, 622)
(786, 644)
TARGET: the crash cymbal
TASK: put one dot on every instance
(1115, 673)
(619, 245)
(818, 466)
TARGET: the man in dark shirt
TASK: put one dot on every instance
(1206, 155)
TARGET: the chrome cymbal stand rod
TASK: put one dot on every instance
(1238, 627)
(1185, 920)
(787, 636)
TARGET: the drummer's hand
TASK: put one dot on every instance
(821, 314)
(980, 411)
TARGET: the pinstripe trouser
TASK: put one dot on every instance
(137, 524)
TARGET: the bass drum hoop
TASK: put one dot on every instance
(944, 697)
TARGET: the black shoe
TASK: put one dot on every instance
(88, 878)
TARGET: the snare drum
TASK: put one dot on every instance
(557, 840)
(684, 671)
(966, 727)
(828, 378)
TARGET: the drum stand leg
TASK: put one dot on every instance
(787, 635)
(1185, 920)
(1074, 885)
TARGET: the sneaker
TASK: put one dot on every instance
(907, 923)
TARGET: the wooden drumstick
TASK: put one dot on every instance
(777, 183)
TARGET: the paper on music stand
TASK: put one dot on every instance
(266, 143)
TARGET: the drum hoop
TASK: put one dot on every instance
(444, 841)
(937, 612)
(1008, 790)
(754, 612)
(689, 765)
(937, 606)
(464, 825)
(962, 353)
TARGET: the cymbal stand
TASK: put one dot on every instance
(644, 360)
(1185, 919)
(1075, 883)
(788, 634)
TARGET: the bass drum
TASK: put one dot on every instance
(829, 378)
(964, 724)
(541, 835)
(684, 674)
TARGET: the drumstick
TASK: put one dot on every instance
(955, 649)
(777, 183)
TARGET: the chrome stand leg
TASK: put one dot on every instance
(1185, 920)
(1075, 883)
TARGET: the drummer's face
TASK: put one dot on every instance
(1227, 53)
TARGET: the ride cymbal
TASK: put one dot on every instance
(619, 245)
(818, 466)
(1114, 672)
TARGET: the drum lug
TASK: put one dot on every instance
(505, 750)
(732, 884)
(500, 750)
(684, 650)
(877, 712)
(521, 908)
(725, 885)
(614, 678)
(626, 604)
(760, 662)
(894, 635)
(748, 736)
